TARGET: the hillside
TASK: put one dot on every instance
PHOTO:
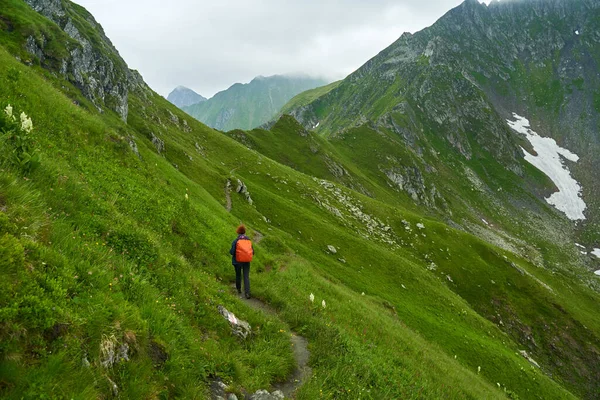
(246, 106)
(182, 97)
(115, 226)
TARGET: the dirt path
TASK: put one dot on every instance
(301, 353)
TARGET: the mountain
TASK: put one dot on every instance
(182, 97)
(396, 256)
(463, 78)
(246, 106)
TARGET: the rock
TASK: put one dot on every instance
(134, 148)
(52, 9)
(158, 143)
(173, 117)
(32, 48)
(331, 249)
(264, 395)
(200, 149)
(232, 397)
(242, 189)
(186, 127)
(239, 327)
(111, 352)
(218, 390)
(528, 358)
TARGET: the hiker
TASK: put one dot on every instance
(241, 255)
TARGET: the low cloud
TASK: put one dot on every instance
(208, 45)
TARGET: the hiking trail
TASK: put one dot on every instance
(301, 353)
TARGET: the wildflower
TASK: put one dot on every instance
(187, 197)
(26, 123)
(9, 111)
(312, 298)
(478, 369)
(323, 304)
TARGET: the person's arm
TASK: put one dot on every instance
(232, 250)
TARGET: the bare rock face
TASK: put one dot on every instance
(50, 8)
(93, 64)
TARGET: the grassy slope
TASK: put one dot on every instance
(122, 226)
(363, 148)
(308, 96)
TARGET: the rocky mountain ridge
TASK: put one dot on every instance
(91, 62)
(462, 78)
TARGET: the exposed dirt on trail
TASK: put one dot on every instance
(300, 348)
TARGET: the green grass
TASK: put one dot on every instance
(308, 97)
(99, 243)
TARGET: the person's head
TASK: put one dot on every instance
(241, 230)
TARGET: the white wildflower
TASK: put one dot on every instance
(26, 123)
(187, 197)
(478, 369)
(9, 111)
(323, 304)
(312, 298)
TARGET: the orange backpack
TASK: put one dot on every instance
(243, 250)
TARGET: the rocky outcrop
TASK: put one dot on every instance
(92, 64)
(239, 327)
(243, 190)
(158, 143)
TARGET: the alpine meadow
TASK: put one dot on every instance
(426, 228)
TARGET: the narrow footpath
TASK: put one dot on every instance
(299, 346)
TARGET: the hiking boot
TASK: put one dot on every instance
(248, 295)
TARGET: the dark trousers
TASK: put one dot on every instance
(238, 277)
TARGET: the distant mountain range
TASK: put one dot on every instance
(182, 97)
(247, 106)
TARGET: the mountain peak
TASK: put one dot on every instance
(182, 96)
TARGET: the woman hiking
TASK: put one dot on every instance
(241, 255)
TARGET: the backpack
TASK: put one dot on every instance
(243, 250)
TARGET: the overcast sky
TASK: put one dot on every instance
(208, 45)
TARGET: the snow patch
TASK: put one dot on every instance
(580, 246)
(597, 272)
(596, 252)
(549, 161)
